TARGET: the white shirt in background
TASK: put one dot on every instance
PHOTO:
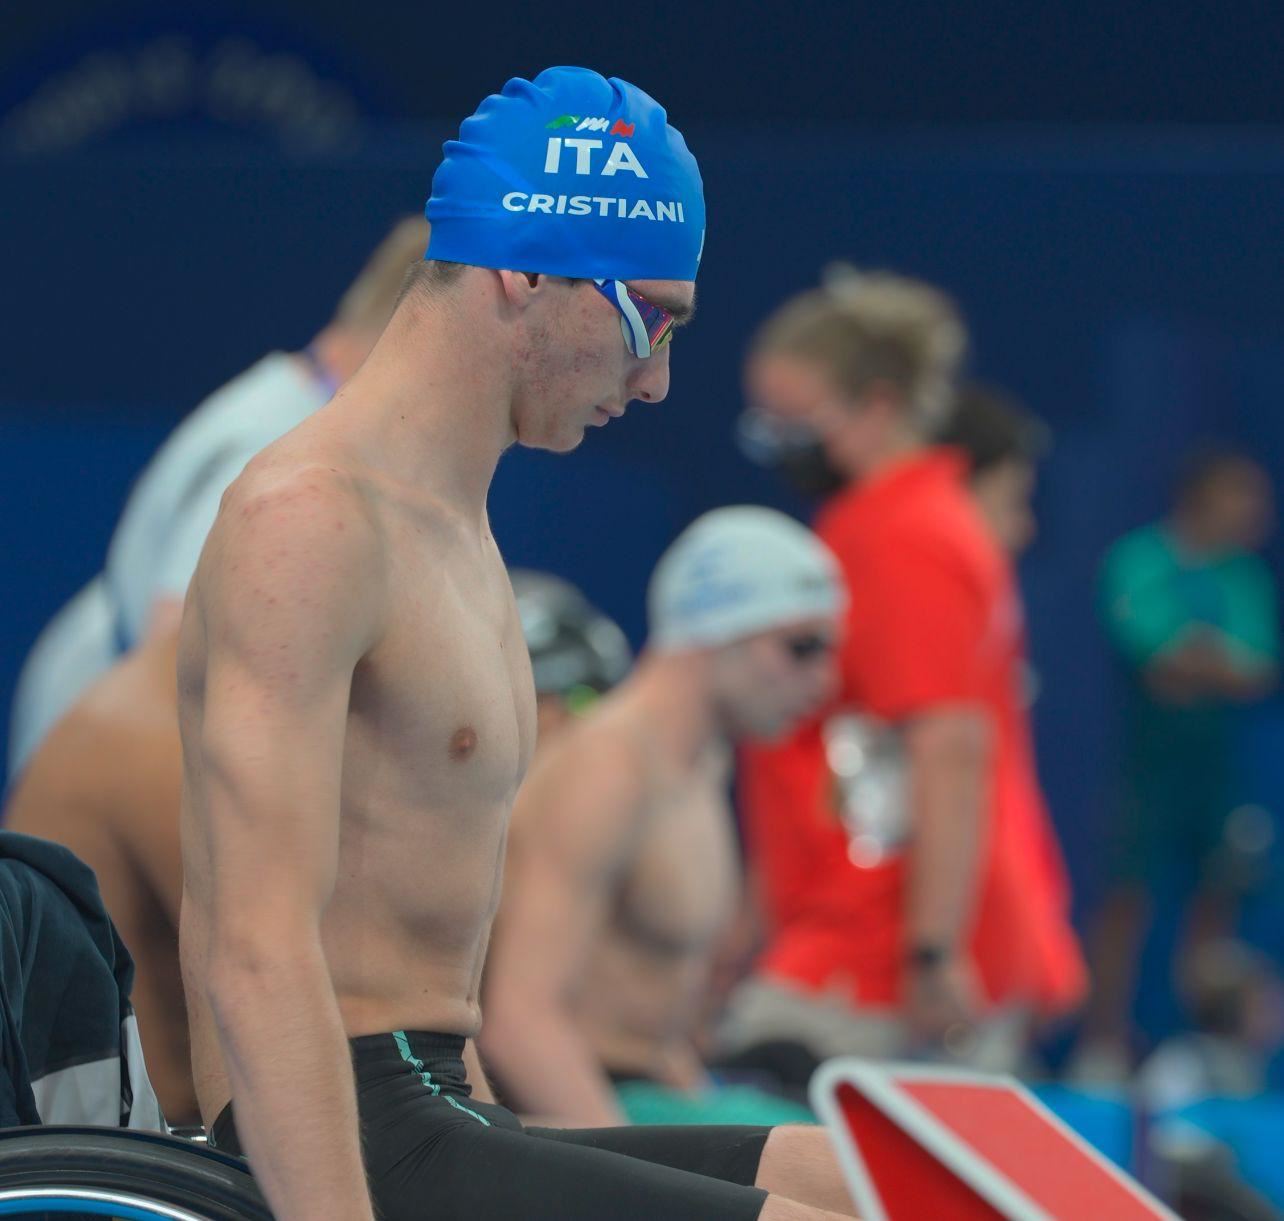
(158, 540)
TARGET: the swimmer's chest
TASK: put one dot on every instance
(681, 886)
(446, 696)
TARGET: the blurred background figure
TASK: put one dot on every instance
(1191, 613)
(172, 505)
(623, 873)
(1003, 444)
(577, 653)
(1204, 1086)
(914, 895)
(1234, 997)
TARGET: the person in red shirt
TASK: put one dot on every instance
(912, 890)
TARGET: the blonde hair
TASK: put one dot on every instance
(863, 328)
(372, 296)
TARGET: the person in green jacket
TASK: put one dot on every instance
(1191, 614)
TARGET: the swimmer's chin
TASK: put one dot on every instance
(570, 440)
(558, 445)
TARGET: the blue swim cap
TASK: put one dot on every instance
(569, 175)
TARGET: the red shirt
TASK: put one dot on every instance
(934, 620)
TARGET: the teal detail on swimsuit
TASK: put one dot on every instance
(403, 1046)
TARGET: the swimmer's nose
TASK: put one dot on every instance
(650, 378)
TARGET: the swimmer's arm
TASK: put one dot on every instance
(732, 961)
(288, 595)
(572, 826)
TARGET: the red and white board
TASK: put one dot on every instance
(919, 1141)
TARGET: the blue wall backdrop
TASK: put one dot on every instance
(181, 196)
(311, 66)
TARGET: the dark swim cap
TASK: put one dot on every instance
(572, 644)
(570, 175)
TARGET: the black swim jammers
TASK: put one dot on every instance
(431, 1149)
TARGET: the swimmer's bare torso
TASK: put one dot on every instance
(673, 899)
(316, 554)
(622, 881)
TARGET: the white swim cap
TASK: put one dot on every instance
(738, 571)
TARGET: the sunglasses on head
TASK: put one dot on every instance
(806, 646)
(647, 327)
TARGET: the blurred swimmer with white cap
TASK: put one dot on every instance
(623, 875)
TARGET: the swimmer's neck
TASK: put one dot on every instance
(432, 405)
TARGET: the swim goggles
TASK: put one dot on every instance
(647, 327)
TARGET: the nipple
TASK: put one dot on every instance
(463, 743)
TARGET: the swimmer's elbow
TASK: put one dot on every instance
(247, 964)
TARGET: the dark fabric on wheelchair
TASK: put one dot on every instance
(65, 979)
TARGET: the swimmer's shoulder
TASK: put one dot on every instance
(296, 468)
(296, 524)
(611, 730)
(301, 473)
(292, 494)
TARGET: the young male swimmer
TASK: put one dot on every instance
(357, 711)
(105, 768)
(623, 873)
